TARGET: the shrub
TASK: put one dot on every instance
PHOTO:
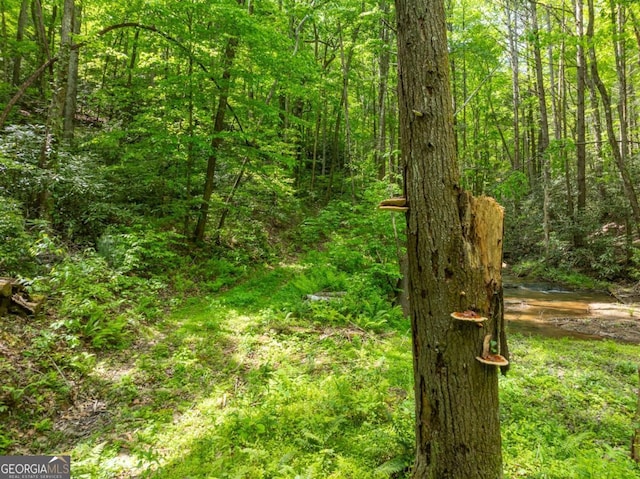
(140, 251)
(15, 257)
(98, 303)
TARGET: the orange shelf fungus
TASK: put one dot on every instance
(470, 316)
(488, 357)
(493, 360)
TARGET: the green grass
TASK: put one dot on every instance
(254, 382)
(567, 409)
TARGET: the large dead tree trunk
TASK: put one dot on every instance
(454, 245)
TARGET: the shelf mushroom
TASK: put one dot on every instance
(490, 358)
(398, 203)
(470, 316)
(493, 360)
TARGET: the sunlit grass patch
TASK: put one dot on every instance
(567, 408)
(292, 418)
(256, 382)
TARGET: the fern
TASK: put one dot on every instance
(393, 467)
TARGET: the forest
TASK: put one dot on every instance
(196, 279)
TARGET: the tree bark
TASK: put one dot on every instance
(22, 25)
(44, 53)
(581, 147)
(56, 114)
(620, 50)
(383, 75)
(596, 130)
(512, 23)
(71, 93)
(4, 43)
(227, 203)
(454, 245)
(216, 139)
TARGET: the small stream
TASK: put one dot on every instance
(548, 310)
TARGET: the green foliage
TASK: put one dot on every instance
(265, 398)
(635, 271)
(567, 277)
(513, 188)
(15, 257)
(562, 421)
(90, 296)
(253, 379)
(141, 251)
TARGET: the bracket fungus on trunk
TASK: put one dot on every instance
(469, 316)
(490, 358)
(493, 360)
(398, 203)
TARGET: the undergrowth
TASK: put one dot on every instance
(250, 376)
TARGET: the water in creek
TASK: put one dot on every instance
(546, 309)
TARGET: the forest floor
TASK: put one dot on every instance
(257, 382)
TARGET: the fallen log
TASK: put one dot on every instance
(14, 298)
(32, 307)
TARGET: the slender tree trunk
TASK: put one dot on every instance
(190, 140)
(596, 129)
(71, 94)
(544, 128)
(512, 23)
(383, 75)
(636, 30)
(563, 151)
(57, 113)
(216, 138)
(43, 40)
(394, 167)
(4, 43)
(346, 69)
(316, 140)
(454, 244)
(581, 146)
(553, 88)
(620, 51)
(51, 31)
(494, 119)
(134, 58)
(22, 25)
(227, 203)
(23, 88)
